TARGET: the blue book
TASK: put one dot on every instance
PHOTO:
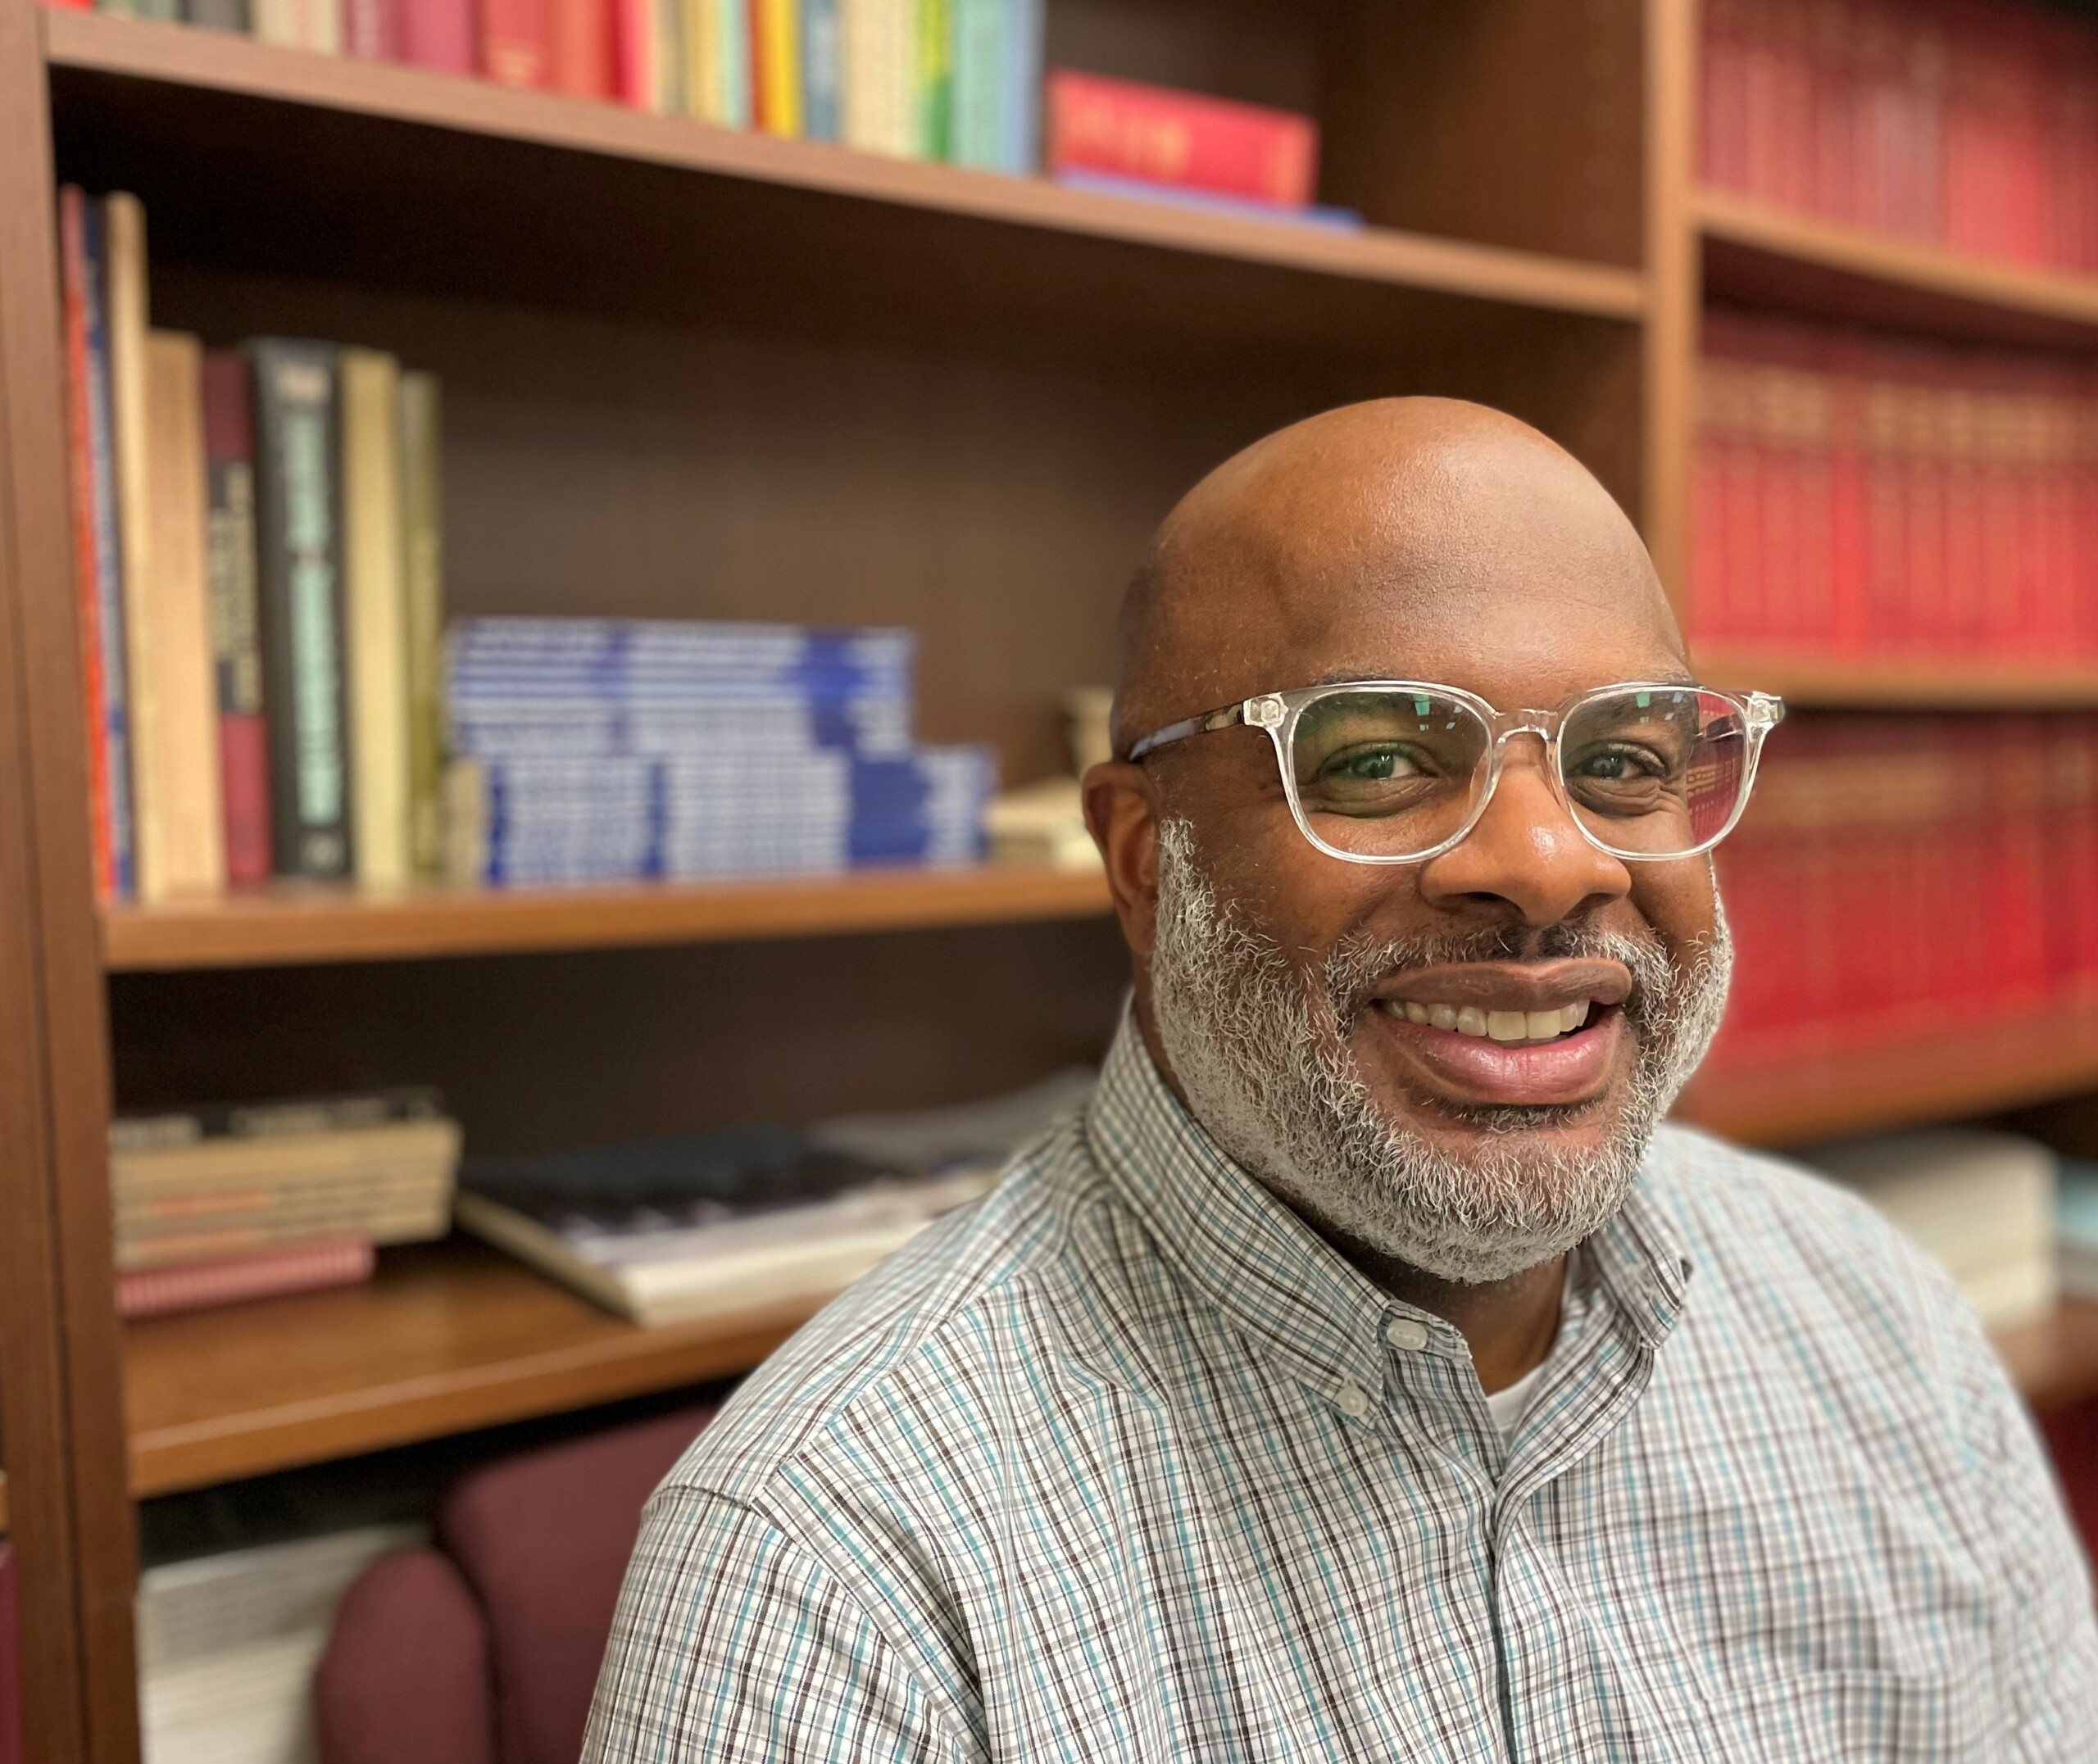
(821, 69)
(109, 565)
(1325, 219)
(1020, 147)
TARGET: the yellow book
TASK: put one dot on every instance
(375, 619)
(181, 829)
(877, 54)
(779, 67)
(422, 563)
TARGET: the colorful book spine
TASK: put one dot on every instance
(636, 81)
(515, 41)
(371, 29)
(878, 46)
(422, 532)
(98, 567)
(182, 827)
(374, 616)
(299, 547)
(1130, 130)
(1021, 111)
(439, 34)
(932, 104)
(315, 25)
(236, 637)
(580, 39)
(978, 82)
(669, 59)
(217, 15)
(267, 1274)
(776, 24)
(821, 68)
(706, 93)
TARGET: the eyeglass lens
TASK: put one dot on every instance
(1651, 773)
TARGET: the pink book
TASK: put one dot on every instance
(438, 34)
(372, 28)
(267, 1274)
(1183, 138)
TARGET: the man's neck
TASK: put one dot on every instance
(1510, 1324)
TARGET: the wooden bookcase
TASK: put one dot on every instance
(700, 373)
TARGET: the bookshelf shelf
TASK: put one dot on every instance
(1842, 683)
(450, 1337)
(1971, 1070)
(455, 1336)
(175, 89)
(314, 925)
(1767, 255)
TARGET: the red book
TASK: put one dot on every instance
(372, 28)
(580, 35)
(267, 1274)
(516, 46)
(439, 34)
(1722, 112)
(73, 267)
(1129, 130)
(635, 50)
(236, 644)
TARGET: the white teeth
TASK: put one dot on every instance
(1500, 1025)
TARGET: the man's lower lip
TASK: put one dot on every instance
(1470, 1068)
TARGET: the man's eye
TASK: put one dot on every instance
(1616, 765)
(1370, 765)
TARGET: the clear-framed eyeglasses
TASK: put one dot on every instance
(1398, 771)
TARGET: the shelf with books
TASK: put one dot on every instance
(1762, 254)
(1805, 680)
(1973, 1067)
(454, 1337)
(129, 97)
(448, 1338)
(298, 925)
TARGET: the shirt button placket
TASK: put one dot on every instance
(1353, 1399)
(1405, 1332)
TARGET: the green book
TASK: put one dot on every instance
(935, 105)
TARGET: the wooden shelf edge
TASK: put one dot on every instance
(1817, 681)
(1762, 227)
(184, 55)
(295, 926)
(1828, 1093)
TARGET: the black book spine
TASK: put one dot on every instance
(299, 552)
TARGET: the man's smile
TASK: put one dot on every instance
(1507, 1032)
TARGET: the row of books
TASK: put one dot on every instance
(1896, 873)
(958, 80)
(600, 750)
(259, 576)
(217, 1205)
(1856, 494)
(1971, 124)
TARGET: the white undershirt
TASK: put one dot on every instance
(1507, 1406)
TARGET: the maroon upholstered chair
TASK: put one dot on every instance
(483, 1648)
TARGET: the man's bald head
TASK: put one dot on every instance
(1399, 513)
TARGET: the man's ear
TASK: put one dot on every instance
(1122, 813)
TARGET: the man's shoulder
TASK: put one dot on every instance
(1030, 1278)
(1768, 1233)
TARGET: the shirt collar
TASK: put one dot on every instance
(1287, 1290)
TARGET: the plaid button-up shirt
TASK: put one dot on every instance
(1125, 1464)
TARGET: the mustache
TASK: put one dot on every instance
(1358, 964)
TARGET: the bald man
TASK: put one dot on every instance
(1365, 1374)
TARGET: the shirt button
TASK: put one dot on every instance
(1404, 1332)
(1353, 1399)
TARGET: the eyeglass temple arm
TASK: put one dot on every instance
(1224, 718)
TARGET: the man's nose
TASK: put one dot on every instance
(1526, 851)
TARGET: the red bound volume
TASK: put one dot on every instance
(516, 46)
(580, 34)
(198, 1286)
(372, 28)
(1183, 139)
(236, 648)
(439, 34)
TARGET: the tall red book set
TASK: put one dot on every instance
(1970, 124)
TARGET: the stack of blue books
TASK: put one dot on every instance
(589, 750)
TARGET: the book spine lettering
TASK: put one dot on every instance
(299, 549)
(236, 644)
(514, 41)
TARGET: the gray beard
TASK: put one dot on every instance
(1261, 1053)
